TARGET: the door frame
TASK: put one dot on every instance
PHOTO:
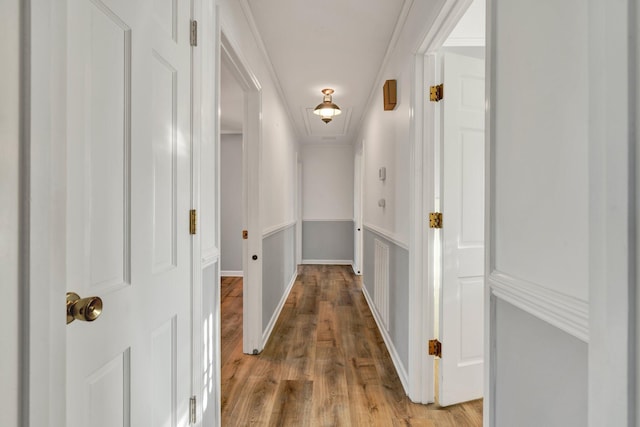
(204, 124)
(299, 196)
(252, 342)
(358, 191)
(424, 137)
(43, 210)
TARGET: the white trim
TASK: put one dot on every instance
(278, 310)
(251, 166)
(299, 167)
(444, 24)
(328, 220)
(328, 261)
(395, 358)
(422, 180)
(488, 403)
(611, 211)
(267, 232)
(393, 238)
(231, 273)
(210, 257)
(42, 257)
(465, 42)
(421, 304)
(354, 267)
(565, 312)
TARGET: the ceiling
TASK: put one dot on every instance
(312, 45)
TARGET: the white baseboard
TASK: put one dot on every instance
(232, 273)
(355, 270)
(276, 313)
(328, 261)
(395, 358)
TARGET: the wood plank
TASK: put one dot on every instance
(325, 365)
(292, 404)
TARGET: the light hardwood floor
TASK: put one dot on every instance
(325, 364)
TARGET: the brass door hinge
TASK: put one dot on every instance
(193, 217)
(245, 234)
(435, 348)
(194, 33)
(436, 93)
(192, 410)
(435, 220)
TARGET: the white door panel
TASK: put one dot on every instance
(128, 197)
(461, 325)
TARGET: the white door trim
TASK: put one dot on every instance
(252, 163)
(612, 211)
(423, 182)
(358, 191)
(43, 174)
(299, 196)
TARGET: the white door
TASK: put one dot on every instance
(461, 322)
(357, 211)
(128, 198)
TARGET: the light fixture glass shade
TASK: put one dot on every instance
(327, 110)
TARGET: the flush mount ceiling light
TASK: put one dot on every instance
(327, 110)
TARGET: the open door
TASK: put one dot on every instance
(462, 294)
(128, 201)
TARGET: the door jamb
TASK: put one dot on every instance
(423, 180)
(252, 162)
(43, 212)
(358, 191)
(299, 198)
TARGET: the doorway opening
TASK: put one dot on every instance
(251, 234)
(457, 192)
(232, 208)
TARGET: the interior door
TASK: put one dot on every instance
(128, 198)
(357, 211)
(461, 321)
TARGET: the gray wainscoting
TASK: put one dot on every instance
(327, 241)
(210, 285)
(556, 383)
(398, 289)
(278, 268)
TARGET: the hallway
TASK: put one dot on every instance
(325, 364)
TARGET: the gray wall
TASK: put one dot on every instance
(542, 379)
(278, 269)
(327, 240)
(209, 292)
(9, 211)
(231, 202)
(398, 289)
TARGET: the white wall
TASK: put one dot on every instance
(386, 141)
(327, 182)
(231, 209)
(9, 211)
(279, 142)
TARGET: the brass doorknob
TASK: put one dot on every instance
(87, 309)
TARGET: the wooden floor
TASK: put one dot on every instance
(325, 364)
